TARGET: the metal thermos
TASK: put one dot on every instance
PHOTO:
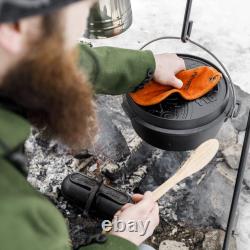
(109, 18)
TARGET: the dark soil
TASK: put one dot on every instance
(191, 237)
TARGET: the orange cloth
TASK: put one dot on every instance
(196, 83)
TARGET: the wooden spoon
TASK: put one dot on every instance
(197, 161)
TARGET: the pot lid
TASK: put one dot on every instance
(178, 113)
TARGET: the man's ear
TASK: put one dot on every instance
(11, 38)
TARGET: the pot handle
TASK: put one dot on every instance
(234, 111)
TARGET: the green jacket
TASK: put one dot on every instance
(116, 71)
(27, 219)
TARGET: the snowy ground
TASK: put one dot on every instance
(222, 26)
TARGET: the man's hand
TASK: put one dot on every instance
(167, 65)
(145, 212)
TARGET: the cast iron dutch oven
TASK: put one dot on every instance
(180, 125)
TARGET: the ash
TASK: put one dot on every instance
(194, 213)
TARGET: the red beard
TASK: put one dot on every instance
(54, 92)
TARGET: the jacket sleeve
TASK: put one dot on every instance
(30, 221)
(115, 70)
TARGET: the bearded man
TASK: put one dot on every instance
(49, 80)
